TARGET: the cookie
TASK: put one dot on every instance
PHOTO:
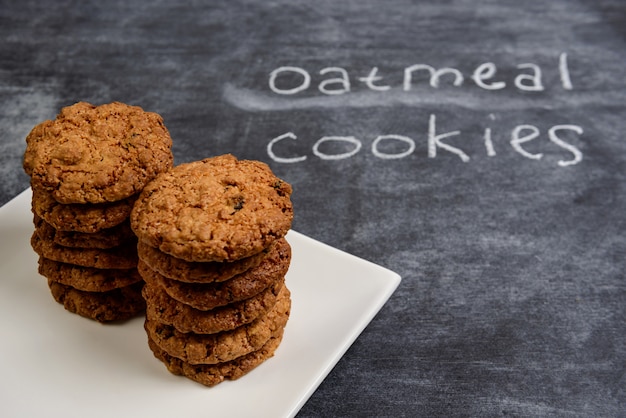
(81, 217)
(162, 308)
(122, 257)
(87, 278)
(97, 154)
(243, 286)
(195, 272)
(217, 209)
(115, 305)
(213, 374)
(224, 346)
(104, 239)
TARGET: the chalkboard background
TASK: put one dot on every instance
(513, 296)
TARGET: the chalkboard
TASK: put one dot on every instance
(474, 147)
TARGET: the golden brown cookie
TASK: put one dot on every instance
(115, 305)
(88, 279)
(97, 154)
(224, 346)
(106, 238)
(122, 257)
(217, 209)
(205, 296)
(212, 374)
(195, 272)
(162, 308)
(88, 218)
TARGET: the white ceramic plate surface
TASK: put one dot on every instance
(57, 364)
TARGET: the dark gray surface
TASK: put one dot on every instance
(513, 294)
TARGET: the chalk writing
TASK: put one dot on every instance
(435, 140)
(292, 80)
(529, 79)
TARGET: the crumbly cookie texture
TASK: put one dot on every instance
(87, 218)
(166, 310)
(121, 257)
(217, 209)
(104, 239)
(223, 346)
(88, 279)
(213, 374)
(96, 154)
(115, 305)
(196, 272)
(205, 296)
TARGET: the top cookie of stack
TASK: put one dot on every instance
(97, 154)
(217, 209)
(86, 168)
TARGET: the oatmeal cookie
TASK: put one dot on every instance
(213, 374)
(195, 272)
(224, 346)
(88, 279)
(205, 296)
(97, 154)
(104, 239)
(162, 308)
(122, 257)
(115, 305)
(216, 209)
(88, 218)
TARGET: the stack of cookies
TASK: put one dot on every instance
(213, 256)
(86, 169)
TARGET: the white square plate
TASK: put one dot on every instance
(57, 364)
